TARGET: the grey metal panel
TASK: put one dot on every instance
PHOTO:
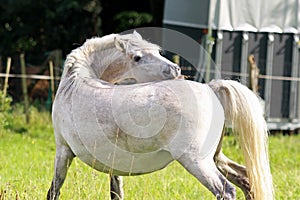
(269, 72)
(194, 33)
(257, 47)
(295, 73)
(298, 85)
(244, 57)
(218, 54)
(231, 54)
(280, 92)
(188, 13)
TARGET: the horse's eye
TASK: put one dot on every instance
(137, 58)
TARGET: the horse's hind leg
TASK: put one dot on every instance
(116, 188)
(63, 160)
(207, 173)
(233, 171)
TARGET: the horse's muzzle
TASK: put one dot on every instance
(172, 72)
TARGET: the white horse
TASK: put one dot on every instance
(136, 129)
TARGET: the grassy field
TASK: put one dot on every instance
(26, 165)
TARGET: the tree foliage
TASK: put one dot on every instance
(36, 26)
(39, 26)
(131, 19)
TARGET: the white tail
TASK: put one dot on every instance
(244, 111)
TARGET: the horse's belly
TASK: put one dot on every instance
(113, 134)
(129, 163)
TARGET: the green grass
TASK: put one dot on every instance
(26, 166)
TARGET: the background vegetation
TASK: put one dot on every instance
(37, 26)
(50, 29)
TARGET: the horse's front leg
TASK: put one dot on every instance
(116, 188)
(63, 160)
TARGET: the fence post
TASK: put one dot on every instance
(24, 87)
(8, 64)
(1, 68)
(51, 80)
(57, 66)
(254, 73)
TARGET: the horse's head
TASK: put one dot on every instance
(139, 61)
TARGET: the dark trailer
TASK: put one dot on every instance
(231, 30)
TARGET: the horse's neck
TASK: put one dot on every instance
(104, 58)
(90, 64)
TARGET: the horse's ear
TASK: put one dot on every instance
(137, 35)
(119, 44)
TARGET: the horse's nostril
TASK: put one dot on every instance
(173, 70)
(167, 71)
(177, 70)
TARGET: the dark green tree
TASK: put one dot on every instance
(37, 26)
(120, 15)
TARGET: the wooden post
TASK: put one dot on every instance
(176, 59)
(254, 73)
(1, 67)
(8, 64)
(51, 80)
(57, 66)
(24, 87)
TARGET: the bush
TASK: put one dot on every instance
(12, 117)
(5, 103)
(5, 110)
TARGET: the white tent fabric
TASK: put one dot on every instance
(256, 15)
(279, 16)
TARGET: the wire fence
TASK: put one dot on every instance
(225, 73)
(30, 76)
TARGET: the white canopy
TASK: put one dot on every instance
(235, 15)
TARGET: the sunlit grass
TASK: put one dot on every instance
(26, 168)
